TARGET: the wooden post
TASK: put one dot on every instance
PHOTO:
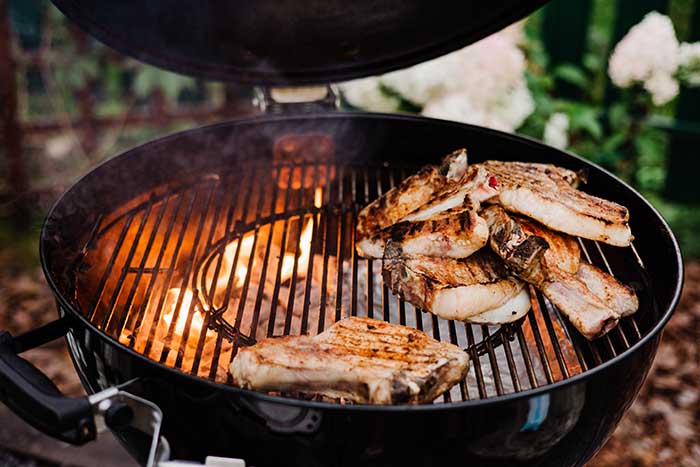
(684, 152)
(564, 33)
(86, 101)
(11, 131)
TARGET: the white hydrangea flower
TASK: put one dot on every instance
(487, 70)
(424, 81)
(556, 130)
(662, 87)
(366, 94)
(689, 57)
(515, 106)
(481, 84)
(649, 50)
(505, 114)
(458, 106)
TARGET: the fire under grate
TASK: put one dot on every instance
(189, 273)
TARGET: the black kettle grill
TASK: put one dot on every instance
(167, 259)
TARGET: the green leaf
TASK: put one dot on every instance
(585, 118)
(572, 74)
(619, 117)
(592, 62)
(614, 142)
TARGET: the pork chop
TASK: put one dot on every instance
(438, 211)
(360, 359)
(591, 299)
(547, 194)
(459, 289)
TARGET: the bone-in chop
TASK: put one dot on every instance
(362, 360)
(477, 289)
(548, 194)
(591, 299)
(431, 213)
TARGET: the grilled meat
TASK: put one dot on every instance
(547, 194)
(459, 289)
(430, 215)
(591, 299)
(618, 297)
(583, 309)
(360, 359)
(411, 194)
(456, 233)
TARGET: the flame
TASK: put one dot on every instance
(304, 253)
(171, 299)
(318, 197)
(243, 257)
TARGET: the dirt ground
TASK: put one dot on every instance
(661, 429)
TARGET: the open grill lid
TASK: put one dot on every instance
(290, 41)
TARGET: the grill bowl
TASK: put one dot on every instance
(562, 422)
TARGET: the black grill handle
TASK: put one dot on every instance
(33, 396)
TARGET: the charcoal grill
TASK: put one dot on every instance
(169, 258)
(127, 295)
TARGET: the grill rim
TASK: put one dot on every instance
(67, 307)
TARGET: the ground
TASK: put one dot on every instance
(662, 427)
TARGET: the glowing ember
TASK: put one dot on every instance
(170, 304)
(318, 197)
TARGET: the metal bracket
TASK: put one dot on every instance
(116, 408)
(297, 99)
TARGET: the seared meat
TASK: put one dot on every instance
(547, 194)
(360, 359)
(591, 299)
(456, 233)
(429, 215)
(586, 312)
(460, 289)
(411, 194)
(617, 296)
(475, 187)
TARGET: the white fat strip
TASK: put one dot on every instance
(463, 302)
(512, 310)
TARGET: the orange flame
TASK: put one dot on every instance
(171, 299)
(318, 197)
(304, 254)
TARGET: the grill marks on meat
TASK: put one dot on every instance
(429, 213)
(411, 193)
(459, 289)
(591, 299)
(547, 194)
(456, 233)
(360, 359)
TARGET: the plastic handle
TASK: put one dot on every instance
(33, 396)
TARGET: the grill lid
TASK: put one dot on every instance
(291, 41)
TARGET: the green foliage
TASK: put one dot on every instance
(572, 74)
(148, 79)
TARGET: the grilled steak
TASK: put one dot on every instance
(460, 289)
(429, 214)
(360, 359)
(591, 299)
(547, 194)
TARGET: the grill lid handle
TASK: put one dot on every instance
(34, 397)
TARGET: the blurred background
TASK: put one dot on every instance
(616, 81)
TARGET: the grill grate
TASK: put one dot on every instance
(188, 274)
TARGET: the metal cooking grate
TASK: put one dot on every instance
(190, 273)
